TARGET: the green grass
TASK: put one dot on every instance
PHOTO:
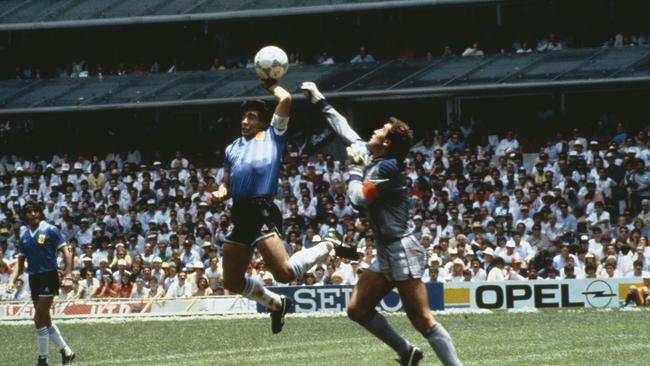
(541, 338)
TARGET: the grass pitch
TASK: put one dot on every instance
(564, 337)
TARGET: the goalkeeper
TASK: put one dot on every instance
(379, 189)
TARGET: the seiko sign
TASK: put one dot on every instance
(545, 294)
(336, 298)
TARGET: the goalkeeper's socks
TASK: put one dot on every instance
(379, 327)
(255, 291)
(306, 258)
(441, 343)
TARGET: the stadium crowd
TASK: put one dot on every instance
(577, 208)
(83, 68)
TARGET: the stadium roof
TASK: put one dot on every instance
(40, 14)
(563, 70)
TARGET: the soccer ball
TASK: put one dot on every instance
(271, 62)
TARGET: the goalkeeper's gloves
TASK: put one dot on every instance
(311, 92)
(357, 153)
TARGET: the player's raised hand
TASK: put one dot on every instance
(268, 84)
(311, 91)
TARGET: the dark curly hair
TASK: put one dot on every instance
(259, 106)
(29, 206)
(401, 138)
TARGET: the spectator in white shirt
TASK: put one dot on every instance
(561, 259)
(87, 286)
(609, 271)
(497, 273)
(508, 144)
(182, 288)
(456, 273)
(478, 273)
(599, 218)
(139, 291)
(524, 48)
(473, 51)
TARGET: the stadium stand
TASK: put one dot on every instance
(540, 211)
(560, 69)
(34, 14)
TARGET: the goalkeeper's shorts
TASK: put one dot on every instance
(400, 259)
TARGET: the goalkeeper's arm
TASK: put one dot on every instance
(338, 123)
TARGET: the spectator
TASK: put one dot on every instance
(88, 286)
(549, 44)
(203, 288)
(155, 290)
(362, 57)
(107, 288)
(325, 59)
(497, 272)
(507, 145)
(524, 48)
(21, 293)
(125, 287)
(181, 288)
(474, 50)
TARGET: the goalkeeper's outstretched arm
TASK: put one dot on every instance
(338, 123)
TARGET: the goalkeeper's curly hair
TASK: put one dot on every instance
(401, 138)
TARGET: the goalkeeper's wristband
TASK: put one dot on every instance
(322, 104)
(356, 172)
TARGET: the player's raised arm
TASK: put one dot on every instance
(338, 123)
(283, 109)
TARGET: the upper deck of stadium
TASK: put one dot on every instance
(627, 67)
(39, 14)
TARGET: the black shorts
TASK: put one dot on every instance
(253, 220)
(46, 283)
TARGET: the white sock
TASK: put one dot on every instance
(57, 339)
(302, 261)
(257, 292)
(42, 341)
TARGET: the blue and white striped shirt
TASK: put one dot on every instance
(254, 165)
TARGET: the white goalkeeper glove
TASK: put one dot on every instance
(311, 92)
(357, 153)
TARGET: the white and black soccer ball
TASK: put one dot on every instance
(271, 62)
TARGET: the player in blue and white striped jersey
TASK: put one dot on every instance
(38, 245)
(251, 171)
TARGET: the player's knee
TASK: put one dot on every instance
(423, 327)
(358, 314)
(422, 323)
(39, 320)
(284, 274)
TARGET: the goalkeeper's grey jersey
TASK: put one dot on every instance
(382, 193)
(386, 200)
